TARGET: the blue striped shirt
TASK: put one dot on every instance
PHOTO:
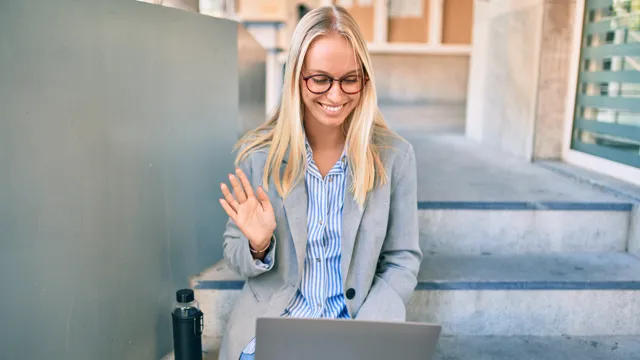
(321, 293)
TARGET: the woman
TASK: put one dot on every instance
(323, 215)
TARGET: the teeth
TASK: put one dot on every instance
(332, 108)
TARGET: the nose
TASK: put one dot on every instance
(335, 93)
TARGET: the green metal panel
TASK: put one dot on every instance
(613, 103)
(619, 130)
(597, 4)
(609, 25)
(624, 157)
(610, 76)
(614, 141)
(610, 50)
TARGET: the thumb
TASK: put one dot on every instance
(264, 199)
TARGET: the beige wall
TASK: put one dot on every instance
(519, 74)
(421, 78)
(261, 9)
(457, 21)
(505, 63)
(553, 85)
(291, 19)
(413, 29)
(275, 10)
(400, 77)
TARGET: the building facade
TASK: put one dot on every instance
(540, 79)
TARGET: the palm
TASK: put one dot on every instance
(255, 222)
(252, 214)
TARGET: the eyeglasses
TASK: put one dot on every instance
(320, 84)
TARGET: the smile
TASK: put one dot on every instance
(332, 108)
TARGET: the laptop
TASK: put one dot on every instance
(285, 338)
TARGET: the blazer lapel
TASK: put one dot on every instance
(351, 217)
(295, 206)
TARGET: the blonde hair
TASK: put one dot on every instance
(283, 133)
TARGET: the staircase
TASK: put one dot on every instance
(521, 262)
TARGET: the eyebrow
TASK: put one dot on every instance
(355, 71)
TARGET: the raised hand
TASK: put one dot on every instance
(253, 215)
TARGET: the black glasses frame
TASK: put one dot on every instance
(331, 80)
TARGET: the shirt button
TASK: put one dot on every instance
(318, 259)
(319, 305)
(320, 222)
(330, 180)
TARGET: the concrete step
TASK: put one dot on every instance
(503, 228)
(539, 295)
(475, 200)
(538, 348)
(608, 184)
(524, 295)
(518, 347)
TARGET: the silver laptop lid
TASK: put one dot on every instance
(330, 339)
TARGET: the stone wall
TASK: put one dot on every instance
(508, 43)
(519, 75)
(555, 56)
(421, 78)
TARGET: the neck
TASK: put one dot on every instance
(324, 138)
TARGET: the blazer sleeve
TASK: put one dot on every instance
(236, 245)
(400, 257)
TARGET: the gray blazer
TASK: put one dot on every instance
(380, 250)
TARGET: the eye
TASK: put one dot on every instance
(320, 79)
(350, 80)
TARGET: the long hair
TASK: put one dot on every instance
(283, 133)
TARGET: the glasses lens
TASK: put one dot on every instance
(319, 83)
(352, 84)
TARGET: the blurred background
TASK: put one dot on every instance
(118, 119)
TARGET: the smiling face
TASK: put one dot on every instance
(328, 57)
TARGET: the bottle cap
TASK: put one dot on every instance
(184, 296)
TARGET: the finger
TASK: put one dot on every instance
(229, 198)
(237, 189)
(264, 199)
(245, 182)
(227, 208)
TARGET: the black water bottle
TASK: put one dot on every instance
(187, 326)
